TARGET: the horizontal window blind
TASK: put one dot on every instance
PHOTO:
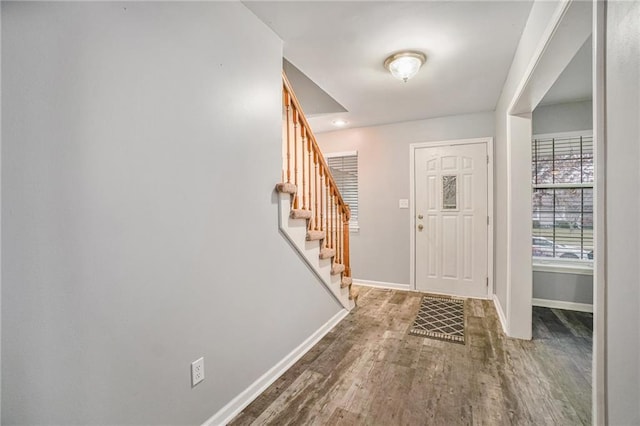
(563, 160)
(344, 169)
(562, 197)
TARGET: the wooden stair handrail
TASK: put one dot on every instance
(317, 182)
(303, 120)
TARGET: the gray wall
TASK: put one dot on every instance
(140, 146)
(380, 251)
(0, 211)
(563, 287)
(566, 117)
(622, 212)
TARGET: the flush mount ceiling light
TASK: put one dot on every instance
(404, 65)
(340, 122)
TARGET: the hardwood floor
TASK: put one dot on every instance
(369, 371)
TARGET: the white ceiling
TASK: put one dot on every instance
(341, 47)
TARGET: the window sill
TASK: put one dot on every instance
(563, 267)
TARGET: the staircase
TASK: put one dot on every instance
(312, 214)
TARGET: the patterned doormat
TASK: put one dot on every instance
(440, 318)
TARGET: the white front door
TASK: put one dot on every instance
(451, 219)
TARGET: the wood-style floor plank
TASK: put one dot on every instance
(369, 371)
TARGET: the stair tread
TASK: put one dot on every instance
(337, 268)
(316, 235)
(287, 188)
(327, 253)
(353, 294)
(300, 214)
(346, 282)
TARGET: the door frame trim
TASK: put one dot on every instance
(488, 141)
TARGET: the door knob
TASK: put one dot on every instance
(420, 227)
(420, 216)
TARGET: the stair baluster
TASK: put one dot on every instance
(321, 190)
(310, 163)
(329, 222)
(339, 236)
(287, 110)
(315, 188)
(295, 157)
(326, 213)
(304, 180)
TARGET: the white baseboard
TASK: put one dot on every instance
(559, 304)
(237, 404)
(382, 284)
(501, 315)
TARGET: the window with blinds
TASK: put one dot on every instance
(344, 168)
(562, 178)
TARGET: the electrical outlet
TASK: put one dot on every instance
(197, 371)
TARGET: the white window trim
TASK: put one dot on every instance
(561, 185)
(340, 154)
(353, 226)
(563, 266)
(564, 135)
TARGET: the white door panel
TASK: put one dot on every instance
(451, 219)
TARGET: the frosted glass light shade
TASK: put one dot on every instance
(404, 65)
